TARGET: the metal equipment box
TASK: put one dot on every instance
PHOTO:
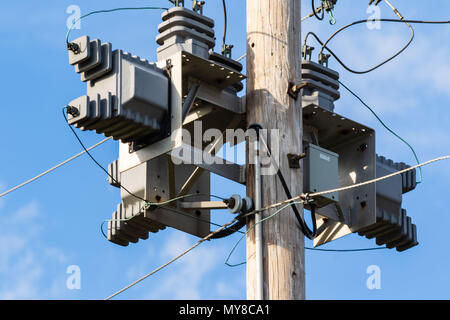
(321, 173)
(127, 97)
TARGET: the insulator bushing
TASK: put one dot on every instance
(237, 204)
(114, 174)
(409, 182)
(185, 30)
(392, 227)
(322, 86)
(130, 224)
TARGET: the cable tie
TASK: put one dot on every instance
(75, 48)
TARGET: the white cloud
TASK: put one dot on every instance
(29, 273)
(10, 244)
(194, 276)
(25, 259)
(226, 289)
(25, 214)
(188, 275)
(55, 254)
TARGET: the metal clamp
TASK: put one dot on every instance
(294, 160)
(307, 52)
(177, 3)
(75, 48)
(323, 59)
(197, 6)
(294, 90)
(226, 50)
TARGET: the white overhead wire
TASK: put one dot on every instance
(173, 260)
(311, 195)
(53, 168)
(241, 57)
(273, 206)
(224, 226)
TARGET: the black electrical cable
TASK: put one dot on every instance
(313, 217)
(303, 226)
(96, 162)
(384, 20)
(234, 228)
(223, 233)
(324, 45)
(225, 26)
(231, 229)
(365, 71)
(383, 62)
(74, 47)
(320, 249)
(346, 250)
(314, 10)
(342, 63)
(112, 178)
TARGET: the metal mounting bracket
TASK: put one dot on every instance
(294, 160)
(211, 205)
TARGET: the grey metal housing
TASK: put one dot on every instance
(157, 181)
(127, 97)
(375, 210)
(393, 227)
(321, 172)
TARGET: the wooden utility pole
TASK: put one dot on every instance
(273, 61)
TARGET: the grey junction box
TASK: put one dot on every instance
(321, 172)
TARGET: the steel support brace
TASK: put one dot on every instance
(216, 164)
(203, 205)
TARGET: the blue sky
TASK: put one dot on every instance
(55, 222)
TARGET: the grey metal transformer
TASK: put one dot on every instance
(373, 211)
(144, 105)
